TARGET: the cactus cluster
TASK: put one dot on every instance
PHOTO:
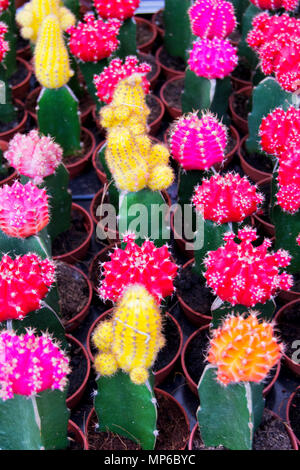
(227, 198)
(23, 209)
(4, 45)
(288, 5)
(241, 273)
(121, 9)
(30, 364)
(33, 155)
(133, 337)
(146, 265)
(116, 71)
(212, 18)
(244, 349)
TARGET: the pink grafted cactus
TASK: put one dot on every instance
(228, 198)
(30, 364)
(289, 167)
(145, 265)
(240, 273)
(120, 9)
(116, 71)
(288, 197)
(4, 45)
(288, 5)
(34, 156)
(24, 282)
(3, 5)
(92, 40)
(213, 58)
(197, 144)
(298, 239)
(23, 209)
(212, 18)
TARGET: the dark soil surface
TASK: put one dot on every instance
(85, 147)
(241, 105)
(71, 238)
(230, 144)
(242, 71)
(7, 126)
(259, 161)
(166, 355)
(21, 43)
(19, 75)
(78, 366)
(73, 444)
(159, 20)
(295, 414)
(150, 59)
(173, 92)
(143, 33)
(289, 327)
(85, 102)
(193, 291)
(155, 108)
(175, 63)
(235, 36)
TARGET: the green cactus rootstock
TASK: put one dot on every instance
(127, 38)
(127, 409)
(178, 35)
(220, 310)
(88, 70)
(246, 25)
(228, 416)
(8, 17)
(73, 6)
(240, 7)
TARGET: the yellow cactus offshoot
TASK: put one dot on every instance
(32, 15)
(134, 338)
(51, 60)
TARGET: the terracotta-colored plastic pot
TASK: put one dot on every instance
(157, 391)
(11, 178)
(77, 167)
(25, 53)
(20, 127)
(78, 435)
(292, 436)
(167, 71)
(100, 257)
(79, 253)
(288, 411)
(238, 83)
(288, 296)
(20, 90)
(174, 112)
(192, 385)
(160, 30)
(153, 80)
(74, 399)
(279, 318)
(146, 46)
(253, 173)
(154, 125)
(101, 175)
(74, 322)
(240, 122)
(267, 227)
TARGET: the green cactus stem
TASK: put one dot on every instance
(7, 111)
(127, 409)
(8, 17)
(243, 48)
(239, 9)
(88, 70)
(73, 6)
(228, 416)
(111, 187)
(220, 310)
(178, 35)
(127, 38)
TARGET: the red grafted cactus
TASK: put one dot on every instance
(241, 273)
(145, 265)
(4, 45)
(23, 209)
(298, 239)
(212, 19)
(24, 282)
(288, 197)
(244, 349)
(30, 364)
(266, 28)
(121, 9)
(288, 5)
(3, 5)
(197, 144)
(92, 40)
(34, 156)
(228, 198)
(116, 71)
(213, 58)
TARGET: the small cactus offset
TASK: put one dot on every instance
(178, 34)
(241, 354)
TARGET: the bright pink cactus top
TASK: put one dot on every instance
(93, 40)
(298, 239)
(120, 9)
(3, 5)
(288, 5)
(240, 273)
(23, 209)
(30, 364)
(197, 144)
(24, 282)
(116, 71)
(4, 45)
(212, 18)
(146, 265)
(228, 198)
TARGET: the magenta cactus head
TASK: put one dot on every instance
(4, 45)
(116, 71)
(240, 273)
(288, 5)
(145, 265)
(34, 156)
(212, 18)
(213, 58)
(93, 40)
(197, 144)
(298, 239)
(120, 9)
(288, 198)
(30, 364)
(23, 209)
(24, 282)
(227, 198)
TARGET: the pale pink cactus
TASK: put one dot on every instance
(4, 45)
(197, 144)
(34, 156)
(30, 364)
(212, 18)
(23, 209)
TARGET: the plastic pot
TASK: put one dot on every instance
(20, 90)
(172, 110)
(160, 30)
(168, 72)
(11, 178)
(146, 47)
(79, 436)
(77, 167)
(288, 411)
(20, 127)
(279, 318)
(249, 170)
(239, 121)
(75, 398)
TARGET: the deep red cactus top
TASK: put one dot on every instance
(4, 45)
(212, 18)
(240, 273)
(24, 282)
(120, 9)
(228, 198)
(116, 71)
(298, 239)
(289, 167)
(30, 364)
(266, 28)
(213, 58)
(288, 197)
(23, 209)
(145, 265)
(288, 5)
(92, 40)
(3, 5)
(197, 144)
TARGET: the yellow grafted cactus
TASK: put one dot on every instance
(136, 336)
(31, 17)
(51, 59)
